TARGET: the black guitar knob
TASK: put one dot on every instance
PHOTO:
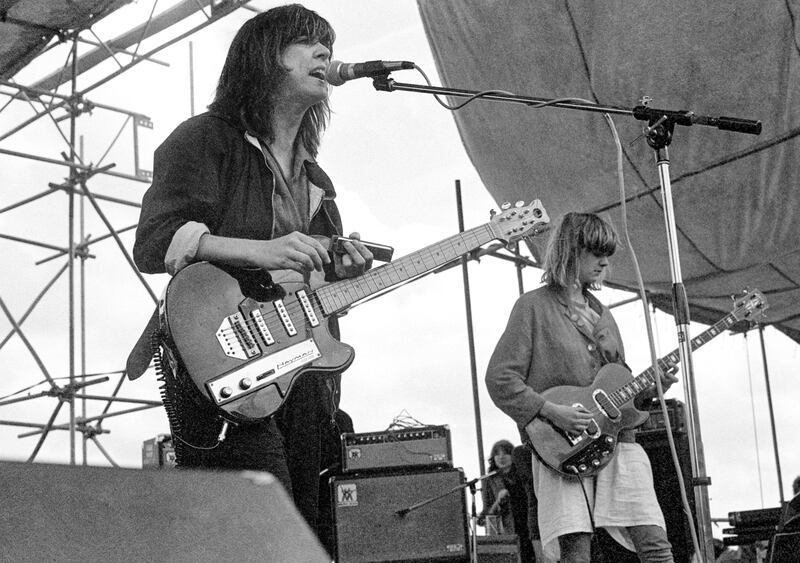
(225, 392)
(246, 383)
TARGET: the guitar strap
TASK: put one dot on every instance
(139, 358)
(586, 327)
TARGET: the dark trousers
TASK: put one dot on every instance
(289, 445)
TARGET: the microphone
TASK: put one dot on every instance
(338, 72)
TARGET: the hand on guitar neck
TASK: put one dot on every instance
(355, 261)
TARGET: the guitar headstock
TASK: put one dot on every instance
(749, 306)
(519, 221)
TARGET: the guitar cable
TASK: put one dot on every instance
(585, 497)
(690, 522)
(170, 388)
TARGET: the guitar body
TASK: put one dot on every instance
(590, 451)
(199, 304)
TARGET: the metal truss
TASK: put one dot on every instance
(48, 104)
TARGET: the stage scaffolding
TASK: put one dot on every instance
(87, 412)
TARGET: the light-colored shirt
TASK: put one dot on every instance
(294, 203)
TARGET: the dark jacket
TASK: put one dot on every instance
(206, 171)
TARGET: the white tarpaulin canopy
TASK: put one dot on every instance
(736, 198)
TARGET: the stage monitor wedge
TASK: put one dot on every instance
(75, 513)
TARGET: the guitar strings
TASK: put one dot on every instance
(405, 268)
(381, 277)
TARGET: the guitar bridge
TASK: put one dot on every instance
(592, 431)
(235, 338)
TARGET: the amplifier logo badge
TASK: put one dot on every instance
(346, 494)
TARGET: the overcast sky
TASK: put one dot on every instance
(394, 158)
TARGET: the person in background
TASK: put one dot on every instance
(560, 334)
(505, 500)
(239, 186)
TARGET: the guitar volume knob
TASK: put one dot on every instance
(246, 383)
(225, 392)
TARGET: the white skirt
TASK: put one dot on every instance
(621, 495)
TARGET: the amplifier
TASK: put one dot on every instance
(423, 446)
(158, 452)
(656, 423)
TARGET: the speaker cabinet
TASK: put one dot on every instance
(385, 517)
(785, 545)
(785, 548)
(667, 488)
(77, 513)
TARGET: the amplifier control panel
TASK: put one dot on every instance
(422, 446)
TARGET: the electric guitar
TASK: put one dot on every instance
(610, 400)
(242, 343)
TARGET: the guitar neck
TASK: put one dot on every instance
(647, 378)
(342, 294)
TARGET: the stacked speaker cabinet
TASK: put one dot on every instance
(654, 441)
(399, 498)
(785, 544)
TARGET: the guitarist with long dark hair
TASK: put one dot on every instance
(239, 186)
(560, 334)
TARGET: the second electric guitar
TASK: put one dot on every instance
(610, 399)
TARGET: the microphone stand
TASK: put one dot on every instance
(473, 513)
(661, 125)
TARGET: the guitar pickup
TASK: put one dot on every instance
(308, 309)
(283, 314)
(606, 405)
(261, 326)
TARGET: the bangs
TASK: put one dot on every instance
(307, 26)
(597, 237)
(502, 446)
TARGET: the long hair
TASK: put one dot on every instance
(503, 445)
(576, 232)
(253, 71)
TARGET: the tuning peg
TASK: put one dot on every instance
(505, 205)
(520, 203)
(492, 213)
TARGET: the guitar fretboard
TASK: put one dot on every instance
(340, 295)
(647, 378)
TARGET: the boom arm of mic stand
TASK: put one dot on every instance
(643, 113)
